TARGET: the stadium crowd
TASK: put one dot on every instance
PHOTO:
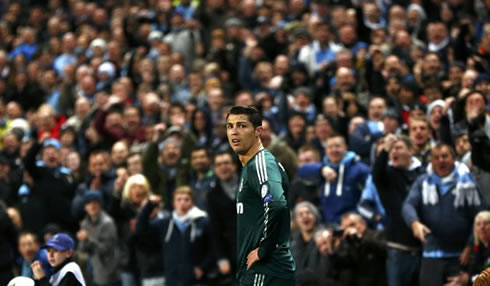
(112, 129)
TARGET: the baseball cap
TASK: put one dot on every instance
(60, 241)
(51, 142)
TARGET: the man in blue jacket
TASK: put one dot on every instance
(344, 177)
(440, 209)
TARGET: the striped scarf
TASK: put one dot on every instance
(460, 181)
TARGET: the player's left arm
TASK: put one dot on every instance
(276, 211)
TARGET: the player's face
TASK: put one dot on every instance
(241, 133)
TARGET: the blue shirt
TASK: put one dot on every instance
(62, 61)
(27, 50)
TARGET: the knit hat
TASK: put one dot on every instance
(434, 104)
(93, 195)
(107, 68)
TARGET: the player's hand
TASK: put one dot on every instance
(224, 266)
(252, 257)
(420, 230)
(37, 270)
(329, 174)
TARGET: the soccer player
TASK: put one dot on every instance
(263, 218)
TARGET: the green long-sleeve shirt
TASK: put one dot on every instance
(263, 218)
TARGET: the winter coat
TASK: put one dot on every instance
(100, 246)
(184, 247)
(343, 194)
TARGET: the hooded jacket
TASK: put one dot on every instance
(185, 241)
(341, 195)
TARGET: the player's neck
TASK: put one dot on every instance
(251, 152)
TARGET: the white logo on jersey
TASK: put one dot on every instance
(241, 186)
(264, 190)
(280, 165)
(239, 208)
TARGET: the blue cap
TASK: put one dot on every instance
(51, 142)
(60, 241)
(93, 195)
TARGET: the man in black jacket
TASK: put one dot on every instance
(393, 182)
(222, 215)
(54, 186)
(360, 253)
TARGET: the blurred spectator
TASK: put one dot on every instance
(419, 133)
(30, 251)
(284, 154)
(53, 185)
(343, 177)
(361, 251)
(479, 256)
(100, 178)
(97, 237)
(305, 188)
(119, 154)
(222, 214)
(308, 259)
(8, 235)
(135, 164)
(394, 171)
(66, 272)
(139, 256)
(478, 129)
(184, 237)
(164, 173)
(365, 135)
(447, 187)
(201, 176)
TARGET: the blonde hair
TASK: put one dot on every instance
(135, 180)
(483, 215)
(184, 190)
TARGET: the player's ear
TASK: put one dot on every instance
(258, 131)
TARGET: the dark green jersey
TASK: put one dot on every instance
(263, 218)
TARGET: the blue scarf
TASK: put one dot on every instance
(460, 182)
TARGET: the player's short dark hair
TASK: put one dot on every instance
(252, 113)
